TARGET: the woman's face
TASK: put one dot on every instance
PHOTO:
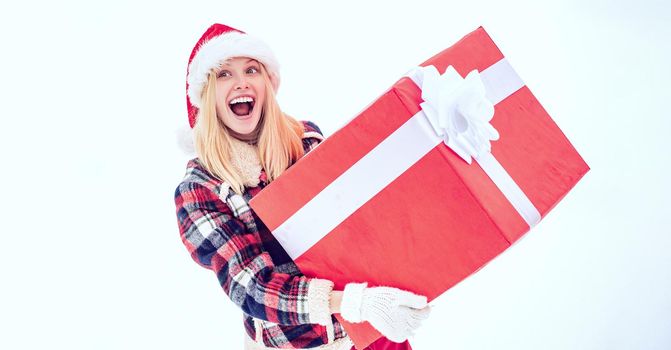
(240, 94)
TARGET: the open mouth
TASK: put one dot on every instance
(242, 106)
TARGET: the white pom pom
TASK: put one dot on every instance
(185, 141)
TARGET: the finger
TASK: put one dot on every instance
(422, 314)
(413, 323)
(417, 316)
(412, 300)
(411, 318)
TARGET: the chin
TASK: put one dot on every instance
(246, 126)
(246, 130)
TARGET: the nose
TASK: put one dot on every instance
(241, 83)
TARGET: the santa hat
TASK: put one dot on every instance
(219, 43)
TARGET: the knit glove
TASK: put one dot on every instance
(393, 312)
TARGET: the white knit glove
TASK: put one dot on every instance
(393, 312)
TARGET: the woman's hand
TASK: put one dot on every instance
(393, 312)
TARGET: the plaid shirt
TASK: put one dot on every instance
(224, 235)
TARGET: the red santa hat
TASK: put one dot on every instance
(219, 43)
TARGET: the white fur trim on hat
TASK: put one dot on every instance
(215, 51)
(185, 140)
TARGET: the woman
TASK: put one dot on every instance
(243, 142)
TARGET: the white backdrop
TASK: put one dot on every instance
(92, 95)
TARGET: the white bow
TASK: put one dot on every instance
(457, 109)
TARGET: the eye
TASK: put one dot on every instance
(224, 73)
(252, 70)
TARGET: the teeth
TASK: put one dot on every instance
(241, 99)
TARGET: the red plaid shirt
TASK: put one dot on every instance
(224, 235)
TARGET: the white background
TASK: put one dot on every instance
(92, 94)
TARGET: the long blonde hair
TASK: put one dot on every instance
(279, 145)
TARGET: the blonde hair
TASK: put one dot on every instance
(279, 144)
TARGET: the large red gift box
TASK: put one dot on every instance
(386, 201)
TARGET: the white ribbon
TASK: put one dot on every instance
(459, 110)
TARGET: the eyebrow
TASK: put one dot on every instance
(249, 60)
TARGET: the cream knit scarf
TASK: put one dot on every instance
(245, 160)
